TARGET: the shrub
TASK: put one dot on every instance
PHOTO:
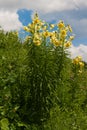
(40, 85)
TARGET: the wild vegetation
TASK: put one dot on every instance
(41, 87)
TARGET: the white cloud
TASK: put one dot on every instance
(79, 26)
(9, 21)
(43, 5)
(81, 3)
(80, 50)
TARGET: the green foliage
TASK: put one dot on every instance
(39, 89)
(4, 124)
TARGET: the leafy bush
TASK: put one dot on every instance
(41, 88)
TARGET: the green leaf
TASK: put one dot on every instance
(4, 124)
(20, 124)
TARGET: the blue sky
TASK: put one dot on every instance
(14, 14)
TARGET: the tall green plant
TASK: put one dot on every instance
(40, 86)
(46, 56)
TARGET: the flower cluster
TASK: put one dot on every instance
(78, 62)
(39, 30)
